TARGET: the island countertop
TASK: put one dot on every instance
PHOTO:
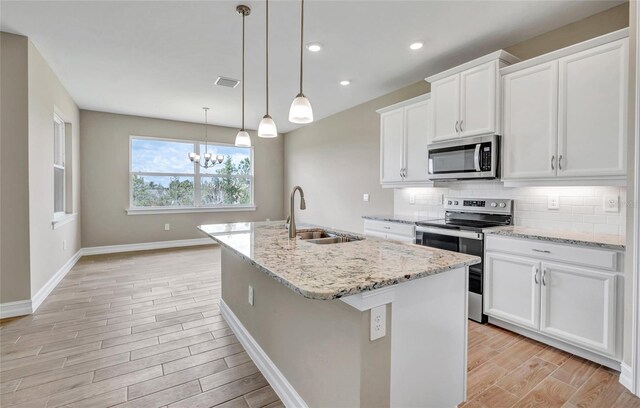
(334, 270)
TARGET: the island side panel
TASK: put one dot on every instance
(318, 345)
(429, 341)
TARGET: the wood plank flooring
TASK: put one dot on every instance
(143, 329)
(139, 329)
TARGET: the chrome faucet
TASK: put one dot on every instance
(292, 218)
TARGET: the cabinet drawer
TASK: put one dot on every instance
(577, 255)
(395, 228)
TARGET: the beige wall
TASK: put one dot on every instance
(14, 169)
(298, 334)
(46, 96)
(105, 181)
(337, 158)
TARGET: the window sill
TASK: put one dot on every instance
(185, 210)
(63, 220)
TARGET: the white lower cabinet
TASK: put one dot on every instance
(553, 298)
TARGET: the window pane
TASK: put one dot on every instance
(225, 191)
(162, 191)
(159, 156)
(58, 190)
(237, 160)
(58, 143)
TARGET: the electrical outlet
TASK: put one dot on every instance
(268, 219)
(251, 295)
(365, 198)
(378, 322)
(167, 227)
(440, 199)
(611, 203)
(64, 244)
(412, 198)
(553, 202)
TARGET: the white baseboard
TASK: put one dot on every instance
(26, 307)
(282, 387)
(626, 376)
(145, 246)
(51, 284)
(13, 309)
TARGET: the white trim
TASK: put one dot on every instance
(41, 295)
(419, 98)
(626, 376)
(63, 220)
(186, 210)
(500, 55)
(13, 309)
(145, 246)
(282, 387)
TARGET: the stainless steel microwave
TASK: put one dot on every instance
(468, 158)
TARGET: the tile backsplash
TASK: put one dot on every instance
(581, 208)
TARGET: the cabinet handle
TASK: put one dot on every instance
(544, 251)
(457, 131)
(553, 159)
(535, 276)
(560, 162)
(405, 172)
(387, 228)
(544, 275)
(461, 130)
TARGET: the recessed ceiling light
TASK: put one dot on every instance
(314, 47)
(345, 82)
(416, 45)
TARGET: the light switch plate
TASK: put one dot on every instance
(365, 198)
(167, 227)
(250, 299)
(553, 202)
(611, 203)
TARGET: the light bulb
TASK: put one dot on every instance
(243, 139)
(300, 111)
(207, 156)
(192, 156)
(220, 158)
(196, 158)
(267, 127)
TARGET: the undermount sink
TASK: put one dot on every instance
(320, 236)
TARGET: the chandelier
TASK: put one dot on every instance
(209, 159)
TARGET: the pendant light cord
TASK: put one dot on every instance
(301, 40)
(206, 136)
(267, 55)
(243, 17)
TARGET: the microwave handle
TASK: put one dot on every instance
(476, 157)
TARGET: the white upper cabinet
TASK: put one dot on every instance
(391, 135)
(446, 108)
(530, 107)
(478, 100)
(466, 99)
(592, 131)
(565, 113)
(404, 136)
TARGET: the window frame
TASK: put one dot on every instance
(58, 122)
(197, 178)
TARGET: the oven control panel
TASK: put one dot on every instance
(485, 205)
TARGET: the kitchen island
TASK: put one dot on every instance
(306, 312)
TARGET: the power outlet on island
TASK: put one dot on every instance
(378, 322)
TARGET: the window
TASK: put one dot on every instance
(163, 177)
(59, 176)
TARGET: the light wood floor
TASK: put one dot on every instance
(143, 329)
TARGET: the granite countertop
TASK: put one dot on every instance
(334, 270)
(403, 219)
(616, 242)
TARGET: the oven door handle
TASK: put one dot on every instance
(476, 157)
(452, 233)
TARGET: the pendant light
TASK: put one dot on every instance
(242, 138)
(267, 127)
(209, 159)
(300, 111)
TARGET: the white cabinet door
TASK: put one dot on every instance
(511, 289)
(530, 122)
(416, 141)
(593, 111)
(478, 100)
(445, 97)
(579, 306)
(391, 145)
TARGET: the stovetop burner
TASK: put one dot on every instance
(473, 214)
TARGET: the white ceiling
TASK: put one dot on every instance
(161, 58)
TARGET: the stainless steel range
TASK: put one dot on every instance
(462, 231)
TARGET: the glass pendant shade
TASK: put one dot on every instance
(267, 127)
(300, 111)
(243, 139)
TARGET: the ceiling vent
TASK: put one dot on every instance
(228, 82)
